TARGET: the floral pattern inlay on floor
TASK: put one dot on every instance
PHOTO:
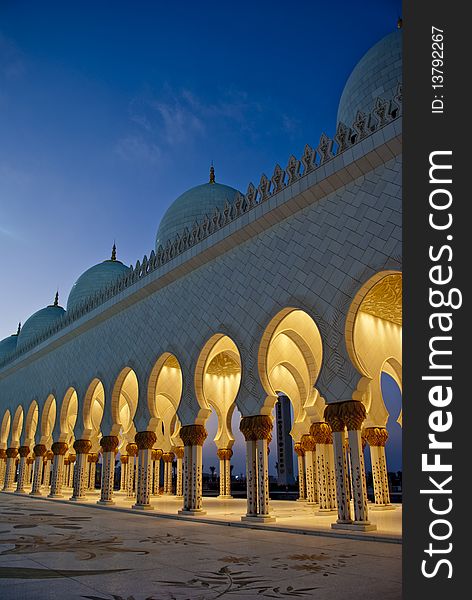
(85, 553)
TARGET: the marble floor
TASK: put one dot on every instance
(290, 515)
(50, 551)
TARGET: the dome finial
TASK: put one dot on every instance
(19, 328)
(56, 299)
(399, 23)
(212, 173)
(113, 252)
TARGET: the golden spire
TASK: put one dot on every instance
(399, 23)
(56, 299)
(113, 252)
(212, 173)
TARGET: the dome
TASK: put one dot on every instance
(378, 73)
(8, 345)
(192, 206)
(95, 279)
(39, 322)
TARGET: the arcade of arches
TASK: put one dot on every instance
(54, 451)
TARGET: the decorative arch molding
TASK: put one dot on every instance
(5, 429)
(31, 424)
(353, 311)
(16, 427)
(69, 406)
(48, 420)
(117, 391)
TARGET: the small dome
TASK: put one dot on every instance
(192, 206)
(39, 322)
(95, 279)
(378, 73)
(8, 345)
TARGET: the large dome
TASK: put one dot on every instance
(8, 345)
(95, 279)
(378, 73)
(192, 206)
(39, 322)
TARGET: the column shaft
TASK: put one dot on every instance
(359, 490)
(342, 484)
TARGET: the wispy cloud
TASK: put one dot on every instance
(136, 148)
(173, 120)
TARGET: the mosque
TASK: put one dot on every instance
(286, 296)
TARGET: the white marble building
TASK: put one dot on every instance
(292, 288)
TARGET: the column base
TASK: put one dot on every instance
(258, 519)
(10, 489)
(326, 511)
(188, 512)
(311, 503)
(35, 494)
(55, 496)
(105, 502)
(20, 491)
(355, 526)
(221, 497)
(78, 498)
(382, 507)
(143, 507)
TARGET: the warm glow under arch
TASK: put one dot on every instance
(374, 338)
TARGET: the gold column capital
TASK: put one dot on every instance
(224, 453)
(308, 443)
(179, 451)
(376, 436)
(82, 446)
(39, 450)
(145, 440)
(298, 449)
(59, 448)
(132, 449)
(258, 427)
(23, 451)
(109, 443)
(193, 435)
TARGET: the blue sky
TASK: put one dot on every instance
(110, 110)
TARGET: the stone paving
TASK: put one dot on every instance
(50, 550)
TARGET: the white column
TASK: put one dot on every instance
(179, 452)
(47, 464)
(93, 458)
(377, 438)
(187, 482)
(3, 466)
(308, 446)
(22, 470)
(109, 444)
(251, 478)
(157, 454)
(82, 448)
(193, 437)
(145, 441)
(130, 480)
(359, 490)
(59, 449)
(301, 472)
(124, 468)
(225, 454)
(39, 451)
(10, 470)
(262, 478)
(331, 474)
(342, 484)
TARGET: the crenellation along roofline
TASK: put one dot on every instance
(372, 139)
